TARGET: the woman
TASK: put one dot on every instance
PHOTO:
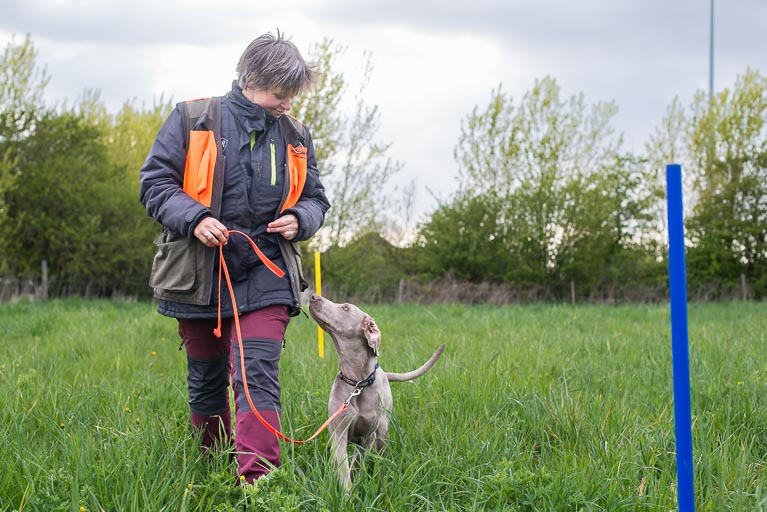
(237, 162)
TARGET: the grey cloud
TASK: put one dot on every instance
(134, 23)
(545, 26)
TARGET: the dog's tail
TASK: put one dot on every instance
(402, 377)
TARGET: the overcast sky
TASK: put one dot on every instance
(433, 61)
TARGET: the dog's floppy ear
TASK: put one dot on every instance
(372, 333)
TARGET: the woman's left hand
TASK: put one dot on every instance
(287, 226)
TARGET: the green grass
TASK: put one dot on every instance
(530, 408)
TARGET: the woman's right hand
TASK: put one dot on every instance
(211, 232)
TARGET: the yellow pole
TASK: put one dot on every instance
(318, 286)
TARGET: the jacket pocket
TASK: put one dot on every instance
(175, 264)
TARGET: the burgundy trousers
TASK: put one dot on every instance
(213, 363)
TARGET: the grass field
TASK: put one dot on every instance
(530, 408)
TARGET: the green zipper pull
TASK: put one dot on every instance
(252, 140)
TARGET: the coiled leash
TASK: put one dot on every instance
(217, 332)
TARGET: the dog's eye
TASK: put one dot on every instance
(345, 307)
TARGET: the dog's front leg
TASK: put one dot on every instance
(339, 441)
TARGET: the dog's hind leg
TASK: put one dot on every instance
(355, 463)
(380, 436)
(380, 444)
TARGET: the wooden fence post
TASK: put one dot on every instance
(43, 293)
(743, 287)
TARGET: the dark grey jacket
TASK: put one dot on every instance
(253, 190)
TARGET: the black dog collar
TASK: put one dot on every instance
(360, 383)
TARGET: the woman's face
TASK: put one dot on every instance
(272, 101)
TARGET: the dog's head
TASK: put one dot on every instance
(345, 322)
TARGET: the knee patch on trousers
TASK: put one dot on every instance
(207, 380)
(262, 357)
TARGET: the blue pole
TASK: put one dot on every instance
(679, 341)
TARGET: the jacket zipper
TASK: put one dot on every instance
(272, 151)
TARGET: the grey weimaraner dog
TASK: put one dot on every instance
(360, 381)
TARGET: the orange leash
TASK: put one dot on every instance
(217, 331)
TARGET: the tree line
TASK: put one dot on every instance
(549, 205)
